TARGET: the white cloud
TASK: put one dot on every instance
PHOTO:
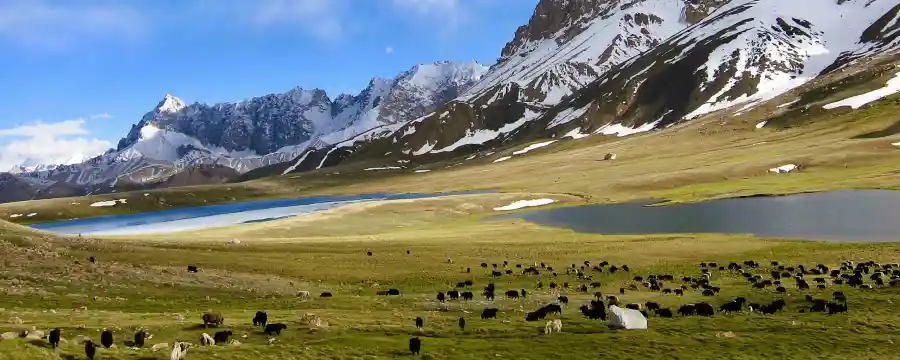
(428, 7)
(321, 19)
(47, 143)
(101, 116)
(388, 50)
(447, 14)
(57, 24)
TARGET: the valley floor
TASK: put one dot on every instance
(47, 281)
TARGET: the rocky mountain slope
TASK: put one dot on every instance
(620, 67)
(176, 137)
(577, 68)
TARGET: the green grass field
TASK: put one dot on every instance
(142, 281)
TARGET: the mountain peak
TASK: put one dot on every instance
(170, 104)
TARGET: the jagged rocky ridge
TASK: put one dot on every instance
(176, 137)
(620, 67)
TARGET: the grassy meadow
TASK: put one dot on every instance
(141, 281)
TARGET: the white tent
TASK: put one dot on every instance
(626, 318)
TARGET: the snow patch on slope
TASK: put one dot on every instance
(525, 203)
(855, 102)
(791, 59)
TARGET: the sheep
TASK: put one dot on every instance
(90, 350)
(221, 337)
(106, 338)
(213, 319)
(303, 294)
(462, 323)
(553, 325)
(158, 347)
(489, 313)
(139, 338)
(415, 345)
(179, 350)
(274, 328)
(54, 338)
(260, 319)
(206, 340)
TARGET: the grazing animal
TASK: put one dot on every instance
(536, 315)
(563, 299)
(325, 294)
(553, 325)
(679, 292)
(369, 253)
(139, 338)
(462, 323)
(91, 259)
(303, 294)
(54, 338)
(213, 319)
(274, 328)
(260, 319)
(523, 292)
(552, 309)
(733, 306)
(652, 306)
(179, 350)
(420, 323)
(90, 350)
(441, 297)
(394, 292)
(192, 268)
(664, 313)
(221, 337)
(489, 313)
(206, 340)
(633, 306)
(512, 294)
(453, 294)
(415, 345)
(704, 309)
(106, 338)
(467, 295)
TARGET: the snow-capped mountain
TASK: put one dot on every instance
(616, 67)
(175, 136)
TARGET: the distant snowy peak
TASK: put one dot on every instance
(170, 104)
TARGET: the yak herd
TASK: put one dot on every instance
(777, 277)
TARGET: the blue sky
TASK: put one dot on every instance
(78, 73)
